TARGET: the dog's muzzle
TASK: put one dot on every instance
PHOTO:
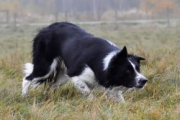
(141, 82)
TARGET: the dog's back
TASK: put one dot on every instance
(75, 46)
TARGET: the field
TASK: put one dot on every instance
(159, 100)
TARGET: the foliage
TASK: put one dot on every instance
(13, 6)
(157, 6)
(92, 9)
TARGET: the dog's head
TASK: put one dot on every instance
(124, 70)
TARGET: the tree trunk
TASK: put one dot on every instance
(116, 13)
(95, 10)
(66, 16)
(56, 11)
(15, 21)
(7, 16)
(168, 16)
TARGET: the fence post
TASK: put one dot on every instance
(168, 16)
(7, 16)
(15, 21)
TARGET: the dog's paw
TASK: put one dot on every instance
(90, 97)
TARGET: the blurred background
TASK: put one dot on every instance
(38, 12)
(149, 28)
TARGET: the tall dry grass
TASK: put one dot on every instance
(159, 100)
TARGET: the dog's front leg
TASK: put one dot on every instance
(116, 95)
(119, 96)
(82, 87)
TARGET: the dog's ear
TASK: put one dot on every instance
(120, 56)
(139, 59)
(123, 53)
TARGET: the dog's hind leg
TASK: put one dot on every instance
(28, 68)
(25, 86)
(61, 80)
(62, 77)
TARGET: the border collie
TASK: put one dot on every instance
(64, 51)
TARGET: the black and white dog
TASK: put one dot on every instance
(64, 51)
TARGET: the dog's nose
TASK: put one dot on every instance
(142, 81)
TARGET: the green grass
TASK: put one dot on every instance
(159, 100)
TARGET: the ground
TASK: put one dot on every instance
(159, 100)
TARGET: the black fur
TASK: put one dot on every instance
(78, 49)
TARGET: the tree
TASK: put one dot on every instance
(11, 7)
(158, 6)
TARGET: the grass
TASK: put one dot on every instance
(159, 100)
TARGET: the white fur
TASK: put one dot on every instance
(138, 75)
(81, 81)
(25, 86)
(111, 43)
(80, 85)
(108, 58)
(88, 76)
(28, 70)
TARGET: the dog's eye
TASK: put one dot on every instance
(128, 71)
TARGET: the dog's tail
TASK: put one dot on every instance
(53, 75)
(28, 69)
